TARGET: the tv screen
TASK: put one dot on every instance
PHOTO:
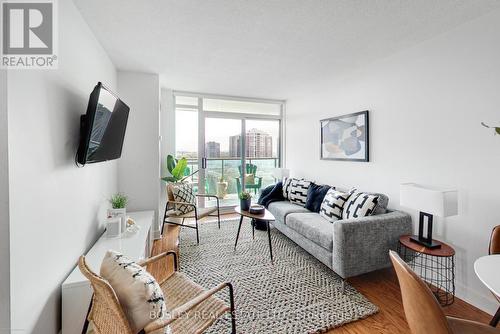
(102, 128)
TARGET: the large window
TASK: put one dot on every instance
(242, 107)
(186, 140)
(186, 133)
(263, 147)
(223, 134)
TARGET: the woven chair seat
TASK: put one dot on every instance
(202, 213)
(178, 290)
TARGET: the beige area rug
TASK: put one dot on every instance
(298, 294)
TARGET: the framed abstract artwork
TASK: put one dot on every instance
(345, 137)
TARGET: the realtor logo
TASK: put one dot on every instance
(29, 34)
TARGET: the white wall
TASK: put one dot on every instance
(139, 166)
(167, 143)
(426, 105)
(4, 209)
(56, 209)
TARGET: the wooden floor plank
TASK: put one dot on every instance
(380, 287)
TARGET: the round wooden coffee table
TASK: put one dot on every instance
(436, 266)
(266, 216)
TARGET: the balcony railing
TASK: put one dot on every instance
(221, 171)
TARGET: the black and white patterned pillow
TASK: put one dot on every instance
(360, 205)
(140, 295)
(298, 191)
(333, 205)
(287, 182)
(183, 192)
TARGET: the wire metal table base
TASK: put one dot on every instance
(437, 271)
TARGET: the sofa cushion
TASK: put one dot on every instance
(249, 179)
(383, 202)
(140, 295)
(359, 205)
(183, 192)
(298, 191)
(287, 182)
(315, 195)
(282, 208)
(333, 205)
(313, 227)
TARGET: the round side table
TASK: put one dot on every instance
(435, 266)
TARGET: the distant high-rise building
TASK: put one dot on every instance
(269, 146)
(212, 149)
(258, 144)
(235, 146)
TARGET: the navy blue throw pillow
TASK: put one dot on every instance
(315, 195)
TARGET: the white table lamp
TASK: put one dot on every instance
(430, 202)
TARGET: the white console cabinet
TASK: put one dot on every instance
(76, 289)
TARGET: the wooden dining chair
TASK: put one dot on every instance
(494, 248)
(423, 312)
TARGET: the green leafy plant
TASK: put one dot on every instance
(497, 129)
(177, 169)
(221, 179)
(245, 195)
(118, 201)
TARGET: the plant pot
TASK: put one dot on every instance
(245, 204)
(122, 214)
(221, 189)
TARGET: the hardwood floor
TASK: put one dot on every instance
(380, 287)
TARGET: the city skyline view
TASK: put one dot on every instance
(221, 136)
(259, 144)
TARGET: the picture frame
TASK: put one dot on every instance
(345, 137)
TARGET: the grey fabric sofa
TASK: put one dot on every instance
(349, 247)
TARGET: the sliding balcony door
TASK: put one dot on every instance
(186, 141)
(234, 142)
(262, 150)
(222, 136)
(222, 159)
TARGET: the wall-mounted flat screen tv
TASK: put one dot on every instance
(102, 128)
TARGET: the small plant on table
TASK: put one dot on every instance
(118, 201)
(245, 200)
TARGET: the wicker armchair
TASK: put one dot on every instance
(185, 300)
(171, 216)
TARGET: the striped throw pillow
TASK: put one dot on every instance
(333, 205)
(298, 191)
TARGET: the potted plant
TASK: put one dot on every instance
(119, 208)
(245, 200)
(497, 129)
(222, 188)
(177, 169)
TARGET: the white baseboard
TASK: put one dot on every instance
(485, 302)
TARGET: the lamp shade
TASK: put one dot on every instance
(280, 173)
(442, 203)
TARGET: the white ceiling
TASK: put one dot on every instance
(264, 48)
